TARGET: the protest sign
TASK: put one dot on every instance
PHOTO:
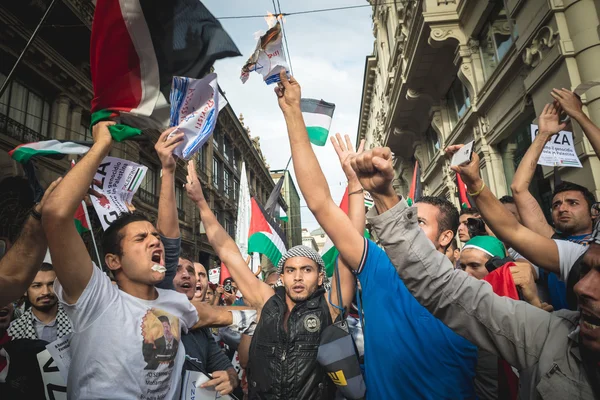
(195, 105)
(559, 151)
(214, 275)
(268, 58)
(54, 384)
(192, 390)
(115, 182)
(60, 352)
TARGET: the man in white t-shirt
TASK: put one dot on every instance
(119, 346)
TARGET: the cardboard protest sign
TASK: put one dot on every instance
(195, 105)
(115, 182)
(559, 151)
(268, 58)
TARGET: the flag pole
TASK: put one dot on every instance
(33, 35)
(87, 219)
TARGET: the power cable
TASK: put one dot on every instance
(287, 48)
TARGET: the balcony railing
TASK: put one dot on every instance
(19, 131)
(148, 197)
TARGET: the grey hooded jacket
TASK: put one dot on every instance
(542, 346)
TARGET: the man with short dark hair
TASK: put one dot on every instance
(463, 231)
(202, 281)
(45, 319)
(453, 252)
(134, 252)
(439, 220)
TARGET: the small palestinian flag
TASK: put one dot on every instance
(282, 215)
(369, 202)
(81, 219)
(47, 148)
(317, 117)
(264, 237)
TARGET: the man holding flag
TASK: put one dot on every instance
(443, 365)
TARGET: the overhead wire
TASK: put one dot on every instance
(287, 47)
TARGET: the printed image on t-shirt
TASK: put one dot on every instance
(161, 338)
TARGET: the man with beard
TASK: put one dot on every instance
(283, 354)
(45, 319)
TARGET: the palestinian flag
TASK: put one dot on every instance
(137, 46)
(463, 197)
(317, 117)
(265, 237)
(329, 253)
(283, 215)
(416, 188)
(81, 219)
(47, 148)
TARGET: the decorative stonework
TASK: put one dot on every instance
(543, 40)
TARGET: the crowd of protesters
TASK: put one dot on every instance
(492, 302)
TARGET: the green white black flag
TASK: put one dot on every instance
(317, 117)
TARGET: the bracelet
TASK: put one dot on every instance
(36, 214)
(357, 192)
(477, 193)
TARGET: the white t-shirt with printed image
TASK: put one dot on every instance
(124, 347)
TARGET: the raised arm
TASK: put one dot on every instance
(529, 209)
(466, 305)
(167, 222)
(70, 257)
(536, 248)
(311, 180)
(22, 261)
(356, 213)
(255, 291)
(214, 316)
(571, 104)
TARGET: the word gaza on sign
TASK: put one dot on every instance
(559, 151)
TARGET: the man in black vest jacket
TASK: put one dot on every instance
(283, 354)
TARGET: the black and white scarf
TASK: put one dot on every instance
(22, 328)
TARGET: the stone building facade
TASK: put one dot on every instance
(444, 72)
(49, 98)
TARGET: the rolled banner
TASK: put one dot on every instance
(195, 105)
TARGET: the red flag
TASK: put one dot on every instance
(462, 192)
(224, 274)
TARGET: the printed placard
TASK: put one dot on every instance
(559, 151)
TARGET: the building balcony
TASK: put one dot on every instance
(148, 197)
(18, 131)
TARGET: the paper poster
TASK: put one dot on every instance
(214, 275)
(115, 184)
(60, 352)
(268, 58)
(559, 151)
(192, 390)
(195, 106)
(54, 385)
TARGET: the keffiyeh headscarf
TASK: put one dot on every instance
(596, 232)
(303, 251)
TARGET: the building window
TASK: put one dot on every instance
(25, 108)
(226, 148)
(236, 189)
(458, 101)
(433, 143)
(179, 201)
(226, 183)
(149, 182)
(84, 133)
(495, 39)
(202, 157)
(216, 172)
(216, 139)
(234, 159)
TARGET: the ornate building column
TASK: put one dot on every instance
(60, 118)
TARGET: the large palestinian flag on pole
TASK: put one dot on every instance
(265, 237)
(137, 47)
(317, 116)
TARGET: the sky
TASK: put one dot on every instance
(327, 52)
